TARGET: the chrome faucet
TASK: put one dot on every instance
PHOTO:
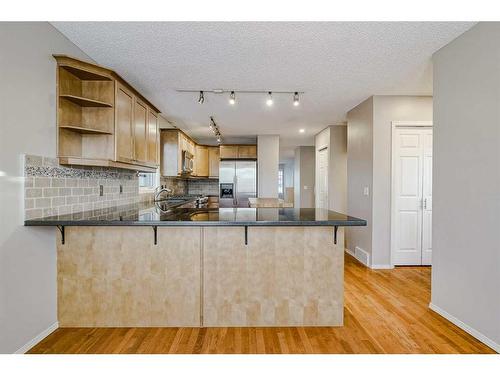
(161, 189)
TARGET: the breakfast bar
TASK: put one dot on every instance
(144, 265)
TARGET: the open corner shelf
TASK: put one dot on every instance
(84, 130)
(85, 102)
(86, 75)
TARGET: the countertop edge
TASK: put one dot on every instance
(83, 223)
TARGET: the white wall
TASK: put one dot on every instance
(335, 139)
(27, 125)
(304, 177)
(466, 182)
(268, 150)
(359, 173)
(369, 165)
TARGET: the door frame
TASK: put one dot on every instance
(395, 125)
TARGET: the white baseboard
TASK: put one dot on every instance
(35, 340)
(381, 267)
(478, 335)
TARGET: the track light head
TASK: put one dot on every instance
(269, 100)
(232, 98)
(296, 99)
(201, 98)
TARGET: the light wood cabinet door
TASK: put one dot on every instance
(247, 152)
(152, 138)
(228, 152)
(213, 161)
(201, 161)
(124, 132)
(191, 147)
(140, 131)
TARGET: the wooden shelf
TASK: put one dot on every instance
(86, 75)
(84, 130)
(85, 102)
(69, 160)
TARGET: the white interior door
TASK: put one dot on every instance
(412, 183)
(322, 190)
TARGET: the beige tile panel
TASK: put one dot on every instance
(116, 277)
(285, 276)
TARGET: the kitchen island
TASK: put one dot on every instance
(143, 265)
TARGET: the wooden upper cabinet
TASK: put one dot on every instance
(201, 161)
(124, 133)
(247, 152)
(140, 131)
(153, 138)
(102, 120)
(171, 144)
(238, 151)
(213, 161)
(228, 152)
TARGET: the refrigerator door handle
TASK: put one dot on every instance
(235, 190)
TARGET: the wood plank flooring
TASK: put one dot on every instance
(386, 311)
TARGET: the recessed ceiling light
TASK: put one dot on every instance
(296, 99)
(302, 130)
(232, 98)
(269, 100)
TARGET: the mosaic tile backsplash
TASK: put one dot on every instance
(204, 186)
(178, 186)
(53, 189)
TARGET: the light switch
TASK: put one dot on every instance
(366, 191)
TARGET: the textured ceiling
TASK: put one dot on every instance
(337, 64)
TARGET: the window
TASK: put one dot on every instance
(147, 181)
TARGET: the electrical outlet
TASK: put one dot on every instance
(366, 191)
(101, 190)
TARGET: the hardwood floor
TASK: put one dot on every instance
(386, 311)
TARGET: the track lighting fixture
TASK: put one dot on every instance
(232, 98)
(201, 99)
(213, 126)
(269, 100)
(232, 95)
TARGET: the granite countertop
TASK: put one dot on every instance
(150, 214)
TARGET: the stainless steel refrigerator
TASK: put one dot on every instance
(237, 182)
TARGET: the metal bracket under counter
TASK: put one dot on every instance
(61, 229)
(335, 229)
(63, 239)
(155, 234)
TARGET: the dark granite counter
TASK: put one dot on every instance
(148, 214)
